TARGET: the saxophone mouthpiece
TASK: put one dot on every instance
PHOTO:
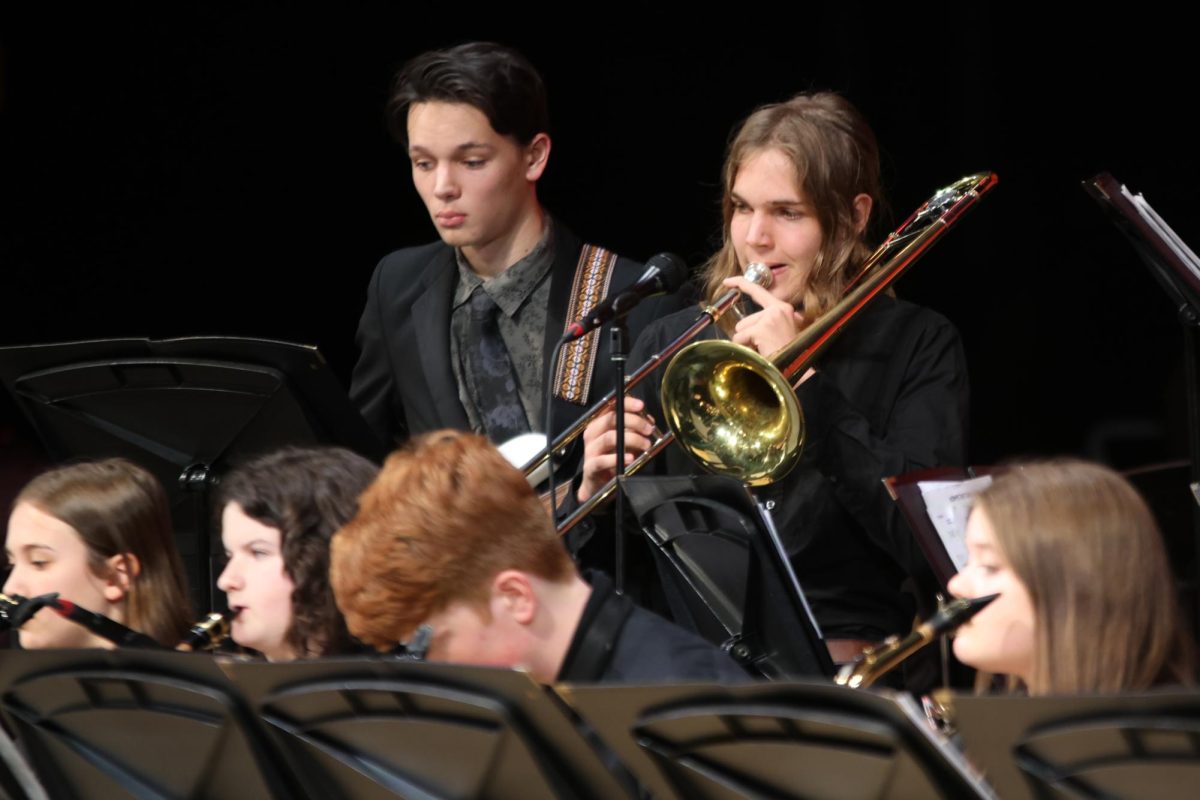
(957, 613)
(207, 634)
(16, 610)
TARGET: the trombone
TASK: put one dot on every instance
(536, 469)
(734, 411)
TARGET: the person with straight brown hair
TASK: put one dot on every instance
(1087, 600)
(801, 188)
(98, 534)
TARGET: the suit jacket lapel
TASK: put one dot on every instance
(431, 317)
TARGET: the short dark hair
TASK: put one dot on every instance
(495, 79)
(306, 494)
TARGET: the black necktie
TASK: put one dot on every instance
(495, 380)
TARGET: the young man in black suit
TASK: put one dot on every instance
(460, 333)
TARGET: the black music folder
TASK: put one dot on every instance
(1134, 747)
(780, 740)
(138, 723)
(383, 728)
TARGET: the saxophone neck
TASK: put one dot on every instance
(877, 661)
(207, 634)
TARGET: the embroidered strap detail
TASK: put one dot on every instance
(577, 361)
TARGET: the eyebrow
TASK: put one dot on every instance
(259, 540)
(414, 149)
(25, 548)
(771, 203)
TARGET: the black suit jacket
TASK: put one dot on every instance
(404, 383)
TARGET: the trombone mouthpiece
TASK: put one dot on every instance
(759, 273)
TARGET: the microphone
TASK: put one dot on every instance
(664, 273)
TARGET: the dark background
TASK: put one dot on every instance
(229, 173)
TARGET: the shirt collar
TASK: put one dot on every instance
(512, 287)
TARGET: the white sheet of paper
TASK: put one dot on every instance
(1164, 230)
(948, 503)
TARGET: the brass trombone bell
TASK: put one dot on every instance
(735, 412)
(737, 403)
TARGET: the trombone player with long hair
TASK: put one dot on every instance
(801, 188)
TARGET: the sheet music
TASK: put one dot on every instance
(1177, 245)
(948, 503)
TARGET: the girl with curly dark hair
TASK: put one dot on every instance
(278, 514)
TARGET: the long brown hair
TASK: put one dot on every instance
(1090, 554)
(835, 158)
(118, 508)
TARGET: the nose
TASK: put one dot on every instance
(230, 578)
(445, 183)
(758, 232)
(13, 584)
(959, 586)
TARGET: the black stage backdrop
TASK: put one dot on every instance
(229, 173)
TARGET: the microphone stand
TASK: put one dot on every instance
(619, 341)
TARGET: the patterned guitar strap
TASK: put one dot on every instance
(577, 360)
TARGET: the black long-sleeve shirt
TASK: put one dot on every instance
(889, 396)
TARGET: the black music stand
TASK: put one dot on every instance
(185, 409)
(382, 728)
(17, 780)
(778, 740)
(923, 670)
(726, 573)
(905, 491)
(104, 724)
(1128, 746)
(1177, 271)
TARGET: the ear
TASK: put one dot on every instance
(514, 597)
(862, 212)
(123, 569)
(537, 154)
